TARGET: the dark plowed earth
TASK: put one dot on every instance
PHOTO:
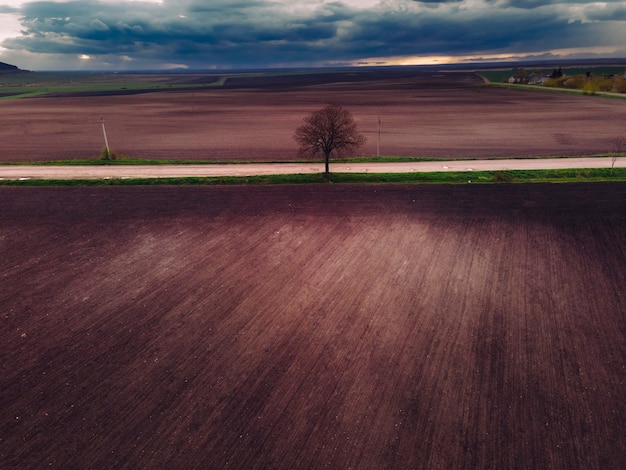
(422, 114)
(366, 327)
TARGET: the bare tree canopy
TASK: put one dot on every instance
(332, 128)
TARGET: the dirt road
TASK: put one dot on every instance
(164, 171)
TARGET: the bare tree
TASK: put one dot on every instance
(619, 143)
(332, 128)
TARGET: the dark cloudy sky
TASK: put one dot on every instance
(161, 34)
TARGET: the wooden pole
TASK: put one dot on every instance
(378, 145)
(106, 142)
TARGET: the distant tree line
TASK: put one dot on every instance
(587, 81)
(557, 73)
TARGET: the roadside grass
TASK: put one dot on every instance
(124, 160)
(388, 159)
(461, 177)
(486, 177)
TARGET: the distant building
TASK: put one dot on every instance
(537, 79)
(534, 79)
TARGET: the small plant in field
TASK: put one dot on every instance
(619, 144)
(503, 177)
(109, 155)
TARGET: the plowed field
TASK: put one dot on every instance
(424, 114)
(366, 327)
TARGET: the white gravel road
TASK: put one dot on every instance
(249, 169)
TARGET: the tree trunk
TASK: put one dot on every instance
(327, 167)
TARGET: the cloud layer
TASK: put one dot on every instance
(122, 34)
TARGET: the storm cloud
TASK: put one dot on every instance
(246, 34)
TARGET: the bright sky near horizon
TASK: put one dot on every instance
(222, 34)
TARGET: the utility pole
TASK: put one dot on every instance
(106, 142)
(378, 144)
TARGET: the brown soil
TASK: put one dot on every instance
(423, 114)
(364, 327)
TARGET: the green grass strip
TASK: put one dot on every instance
(127, 161)
(461, 177)
(485, 177)
(175, 181)
(384, 159)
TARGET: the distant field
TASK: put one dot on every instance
(425, 114)
(317, 326)
(28, 85)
